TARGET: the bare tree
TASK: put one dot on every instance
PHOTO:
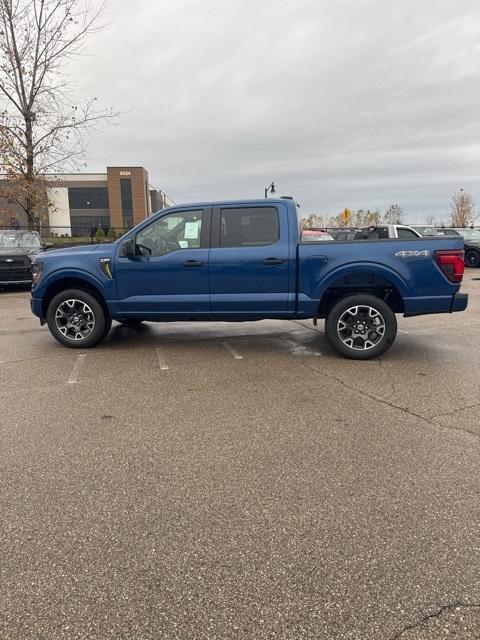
(373, 217)
(42, 128)
(462, 210)
(360, 218)
(366, 218)
(393, 215)
(314, 220)
(432, 221)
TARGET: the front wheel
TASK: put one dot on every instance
(472, 258)
(76, 319)
(361, 326)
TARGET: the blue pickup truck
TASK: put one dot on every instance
(245, 260)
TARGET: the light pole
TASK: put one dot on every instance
(269, 189)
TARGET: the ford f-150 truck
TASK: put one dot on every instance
(241, 261)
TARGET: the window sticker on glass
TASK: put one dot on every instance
(192, 230)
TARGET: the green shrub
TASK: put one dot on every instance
(111, 235)
(100, 235)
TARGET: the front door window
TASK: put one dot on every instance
(179, 230)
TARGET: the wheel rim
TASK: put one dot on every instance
(472, 259)
(361, 327)
(74, 319)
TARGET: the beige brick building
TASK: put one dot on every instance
(83, 202)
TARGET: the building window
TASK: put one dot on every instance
(88, 197)
(127, 202)
(88, 225)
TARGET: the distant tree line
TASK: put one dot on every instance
(360, 218)
(462, 214)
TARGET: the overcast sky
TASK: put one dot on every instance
(357, 103)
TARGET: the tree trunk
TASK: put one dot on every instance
(30, 200)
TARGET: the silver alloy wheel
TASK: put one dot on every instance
(361, 327)
(74, 319)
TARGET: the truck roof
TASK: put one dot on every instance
(213, 203)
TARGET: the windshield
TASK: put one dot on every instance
(470, 234)
(20, 239)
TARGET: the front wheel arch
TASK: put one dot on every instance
(72, 283)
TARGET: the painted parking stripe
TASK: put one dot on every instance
(77, 367)
(296, 348)
(162, 361)
(232, 351)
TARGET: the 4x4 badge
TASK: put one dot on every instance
(413, 254)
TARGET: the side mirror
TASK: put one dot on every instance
(127, 249)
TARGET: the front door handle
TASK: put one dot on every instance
(273, 261)
(192, 263)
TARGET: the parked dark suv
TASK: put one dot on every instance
(17, 250)
(471, 239)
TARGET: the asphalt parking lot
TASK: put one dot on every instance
(217, 481)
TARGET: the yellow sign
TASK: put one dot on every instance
(346, 216)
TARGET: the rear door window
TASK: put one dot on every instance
(249, 226)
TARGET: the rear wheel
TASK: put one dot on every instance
(472, 258)
(361, 326)
(76, 319)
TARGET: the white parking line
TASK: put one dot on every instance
(162, 362)
(76, 369)
(297, 349)
(232, 351)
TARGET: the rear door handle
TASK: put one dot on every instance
(192, 263)
(272, 261)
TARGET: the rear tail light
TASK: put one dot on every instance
(451, 263)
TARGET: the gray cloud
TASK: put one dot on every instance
(356, 103)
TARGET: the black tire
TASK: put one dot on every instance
(377, 327)
(472, 258)
(108, 326)
(131, 322)
(93, 323)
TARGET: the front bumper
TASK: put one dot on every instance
(459, 302)
(36, 306)
(15, 277)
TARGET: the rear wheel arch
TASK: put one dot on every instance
(357, 282)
